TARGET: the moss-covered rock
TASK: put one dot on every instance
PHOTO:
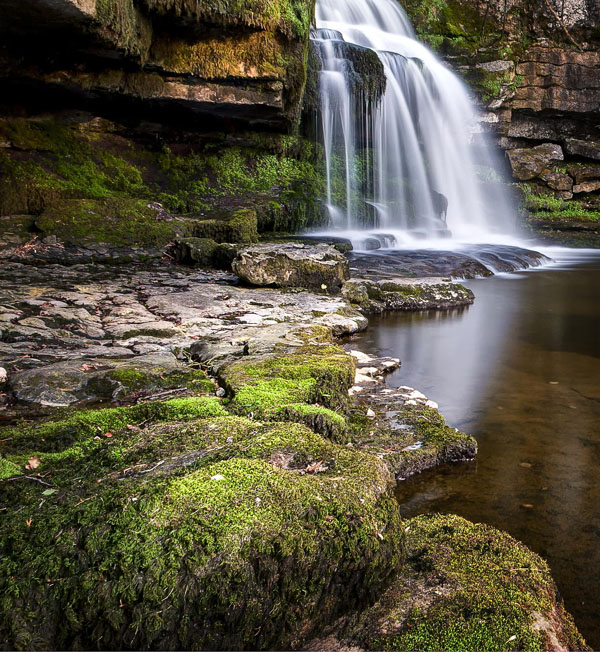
(319, 374)
(227, 226)
(212, 535)
(478, 589)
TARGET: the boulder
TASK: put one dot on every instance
(319, 267)
(528, 163)
(585, 148)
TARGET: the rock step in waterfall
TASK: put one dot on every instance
(411, 162)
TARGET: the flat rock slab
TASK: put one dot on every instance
(65, 383)
(290, 264)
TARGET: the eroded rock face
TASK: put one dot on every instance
(164, 53)
(292, 265)
(531, 162)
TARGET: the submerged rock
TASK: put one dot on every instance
(318, 267)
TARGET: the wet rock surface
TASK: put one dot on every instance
(469, 262)
(401, 425)
(64, 329)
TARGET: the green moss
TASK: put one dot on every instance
(131, 380)
(260, 55)
(116, 221)
(8, 468)
(321, 375)
(491, 591)
(203, 550)
(52, 163)
(239, 226)
(319, 419)
(291, 17)
(123, 24)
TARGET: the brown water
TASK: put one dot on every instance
(519, 370)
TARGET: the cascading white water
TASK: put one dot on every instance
(393, 164)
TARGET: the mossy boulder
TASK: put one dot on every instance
(478, 589)
(318, 267)
(239, 226)
(318, 375)
(213, 534)
(373, 297)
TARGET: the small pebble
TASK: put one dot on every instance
(3, 375)
(218, 477)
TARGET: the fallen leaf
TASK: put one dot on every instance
(32, 463)
(130, 427)
(49, 492)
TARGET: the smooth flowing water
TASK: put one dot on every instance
(404, 167)
(519, 370)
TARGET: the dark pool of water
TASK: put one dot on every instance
(519, 370)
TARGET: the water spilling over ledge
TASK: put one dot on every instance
(408, 162)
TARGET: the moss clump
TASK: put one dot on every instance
(319, 419)
(238, 226)
(492, 593)
(85, 424)
(123, 25)
(205, 549)
(8, 468)
(319, 375)
(260, 55)
(129, 380)
(116, 221)
(291, 17)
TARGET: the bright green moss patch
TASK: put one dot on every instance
(220, 533)
(319, 419)
(494, 593)
(321, 375)
(8, 468)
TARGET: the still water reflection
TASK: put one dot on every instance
(519, 370)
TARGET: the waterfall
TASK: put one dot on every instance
(412, 163)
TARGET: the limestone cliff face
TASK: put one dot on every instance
(240, 61)
(534, 66)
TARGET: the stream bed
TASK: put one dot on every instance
(520, 371)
